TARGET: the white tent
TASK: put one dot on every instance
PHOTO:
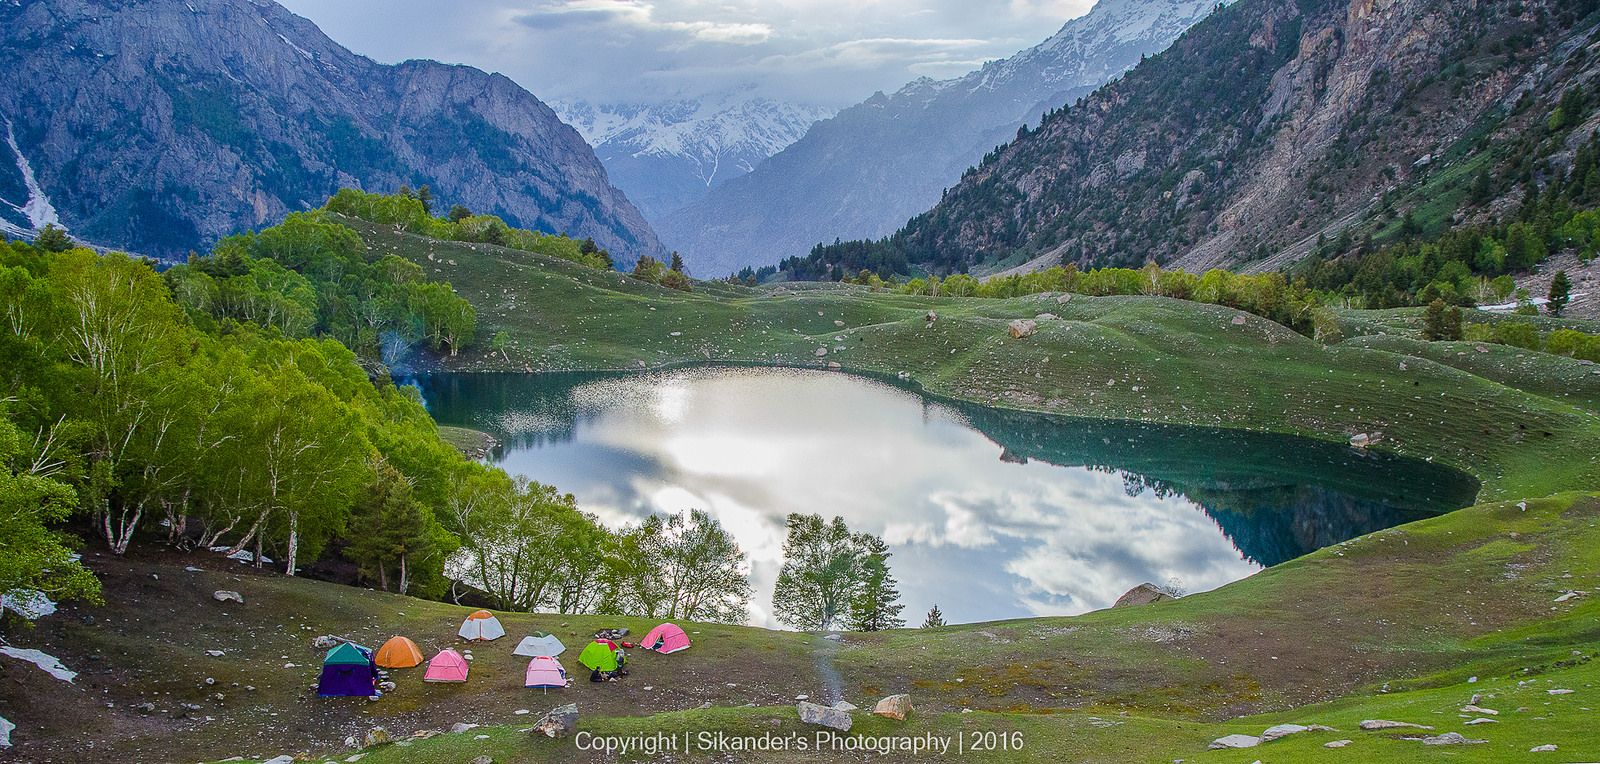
(541, 646)
(481, 625)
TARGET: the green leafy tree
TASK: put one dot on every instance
(875, 605)
(34, 556)
(458, 213)
(1560, 293)
(680, 566)
(821, 568)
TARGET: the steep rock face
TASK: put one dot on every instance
(668, 155)
(1270, 122)
(864, 172)
(161, 125)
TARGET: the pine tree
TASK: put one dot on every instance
(677, 263)
(1560, 293)
(935, 618)
(52, 238)
(1441, 322)
(389, 529)
(875, 606)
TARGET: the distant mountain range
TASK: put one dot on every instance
(867, 170)
(161, 125)
(667, 155)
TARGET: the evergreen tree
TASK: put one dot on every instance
(389, 529)
(425, 195)
(875, 606)
(934, 619)
(52, 238)
(1560, 293)
(1441, 322)
(677, 263)
(459, 213)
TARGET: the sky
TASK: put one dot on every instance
(819, 52)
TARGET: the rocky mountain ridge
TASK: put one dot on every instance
(161, 125)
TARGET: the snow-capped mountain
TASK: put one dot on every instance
(668, 154)
(867, 170)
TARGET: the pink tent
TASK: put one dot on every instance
(447, 666)
(666, 638)
(545, 672)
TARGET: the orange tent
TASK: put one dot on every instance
(398, 653)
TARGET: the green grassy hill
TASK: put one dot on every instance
(1523, 433)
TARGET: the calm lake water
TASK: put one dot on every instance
(991, 514)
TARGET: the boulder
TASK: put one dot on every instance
(1472, 709)
(1546, 748)
(838, 323)
(824, 716)
(1385, 724)
(1239, 320)
(481, 760)
(1143, 594)
(1235, 741)
(845, 706)
(1282, 730)
(820, 352)
(1480, 720)
(223, 595)
(560, 722)
(284, 759)
(1450, 738)
(931, 317)
(373, 737)
(1064, 299)
(460, 727)
(1022, 327)
(324, 642)
(896, 707)
(1360, 440)
(1336, 743)
(1045, 317)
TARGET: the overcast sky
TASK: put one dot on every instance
(826, 52)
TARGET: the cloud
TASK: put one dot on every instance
(824, 52)
(638, 16)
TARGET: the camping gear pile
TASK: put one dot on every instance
(350, 670)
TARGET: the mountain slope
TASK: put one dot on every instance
(1269, 123)
(162, 125)
(867, 170)
(670, 154)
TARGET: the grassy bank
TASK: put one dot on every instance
(1522, 431)
(1392, 625)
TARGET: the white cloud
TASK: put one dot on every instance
(831, 52)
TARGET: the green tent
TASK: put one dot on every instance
(347, 653)
(598, 657)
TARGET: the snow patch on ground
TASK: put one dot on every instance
(46, 662)
(28, 603)
(242, 555)
(38, 209)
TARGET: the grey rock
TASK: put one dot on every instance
(481, 760)
(1336, 743)
(1143, 594)
(460, 727)
(1235, 741)
(561, 721)
(1546, 748)
(1450, 738)
(224, 595)
(1282, 730)
(824, 716)
(1385, 724)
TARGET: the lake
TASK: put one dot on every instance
(990, 513)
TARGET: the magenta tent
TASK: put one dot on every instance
(447, 666)
(666, 638)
